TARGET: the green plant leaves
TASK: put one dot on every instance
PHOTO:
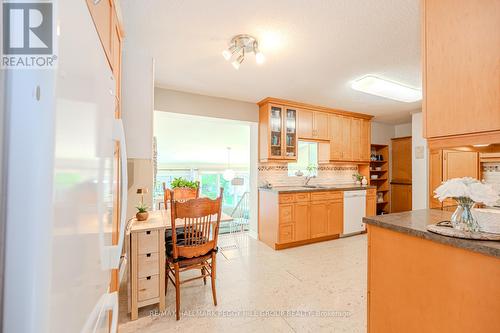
(181, 182)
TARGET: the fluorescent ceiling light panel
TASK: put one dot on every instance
(385, 88)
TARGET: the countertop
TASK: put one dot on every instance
(322, 188)
(414, 223)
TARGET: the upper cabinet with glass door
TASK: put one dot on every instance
(278, 134)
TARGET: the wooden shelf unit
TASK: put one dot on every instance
(382, 182)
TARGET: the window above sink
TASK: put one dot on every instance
(307, 160)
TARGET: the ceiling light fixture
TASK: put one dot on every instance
(373, 85)
(481, 145)
(240, 45)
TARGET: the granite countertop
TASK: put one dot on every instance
(321, 188)
(414, 223)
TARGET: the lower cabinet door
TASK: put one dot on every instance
(302, 221)
(371, 205)
(400, 198)
(286, 233)
(319, 219)
(336, 217)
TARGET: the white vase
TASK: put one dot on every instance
(364, 181)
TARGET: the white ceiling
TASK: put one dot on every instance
(313, 48)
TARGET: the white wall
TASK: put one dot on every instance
(207, 106)
(420, 164)
(402, 130)
(382, 133)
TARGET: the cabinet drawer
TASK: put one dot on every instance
(316, 196)
(286, 213)
(286, 198)
(286, 233)
(148, 288)
(301, 197)
(148, 264)
(147, 241)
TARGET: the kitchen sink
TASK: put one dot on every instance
(313, 186)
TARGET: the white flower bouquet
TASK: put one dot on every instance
(466, 191)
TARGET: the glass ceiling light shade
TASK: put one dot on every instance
(241, 45)
(228, 53)
(373, 85)
(237, 62)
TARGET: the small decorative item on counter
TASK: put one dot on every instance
(142, 214)
(357, 177)
(364, 181)
(467, 192)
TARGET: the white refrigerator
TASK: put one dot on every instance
(61, 160)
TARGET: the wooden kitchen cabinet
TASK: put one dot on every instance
(356, 139)
(298, 218)
(102, 14)
(313, 125)
(348, 134)
(401, 198)
(336, 136)
(448, 164)
(371, 202)
(435, 176)
(277, 132)
(302, 220)
(350, 139)
(366, 140)
(461, 72)
(336, 217)
(401, 159)
(345, 145)
(319, 219)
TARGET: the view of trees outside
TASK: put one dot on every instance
(210, 183)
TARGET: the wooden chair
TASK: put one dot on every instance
(197, 248)
(180, 194)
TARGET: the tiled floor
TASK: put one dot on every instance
(328, 276)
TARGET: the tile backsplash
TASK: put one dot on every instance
(491, 175)
(277, 174)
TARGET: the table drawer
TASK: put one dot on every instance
(286, 213)
(147, 241)
(327, 195)
(302, 197)
(148, 287)
(286, 198)
(148, 264)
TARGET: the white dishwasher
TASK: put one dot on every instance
(354, 211)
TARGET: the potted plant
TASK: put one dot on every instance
(466, 192)
(142, 214)
(358, 178)
(180, 182)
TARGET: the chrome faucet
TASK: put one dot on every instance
(308, 178)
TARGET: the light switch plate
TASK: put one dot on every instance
(419, 152)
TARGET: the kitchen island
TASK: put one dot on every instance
(298, 215)
(419, 281)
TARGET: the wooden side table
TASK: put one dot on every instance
(146, 253)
